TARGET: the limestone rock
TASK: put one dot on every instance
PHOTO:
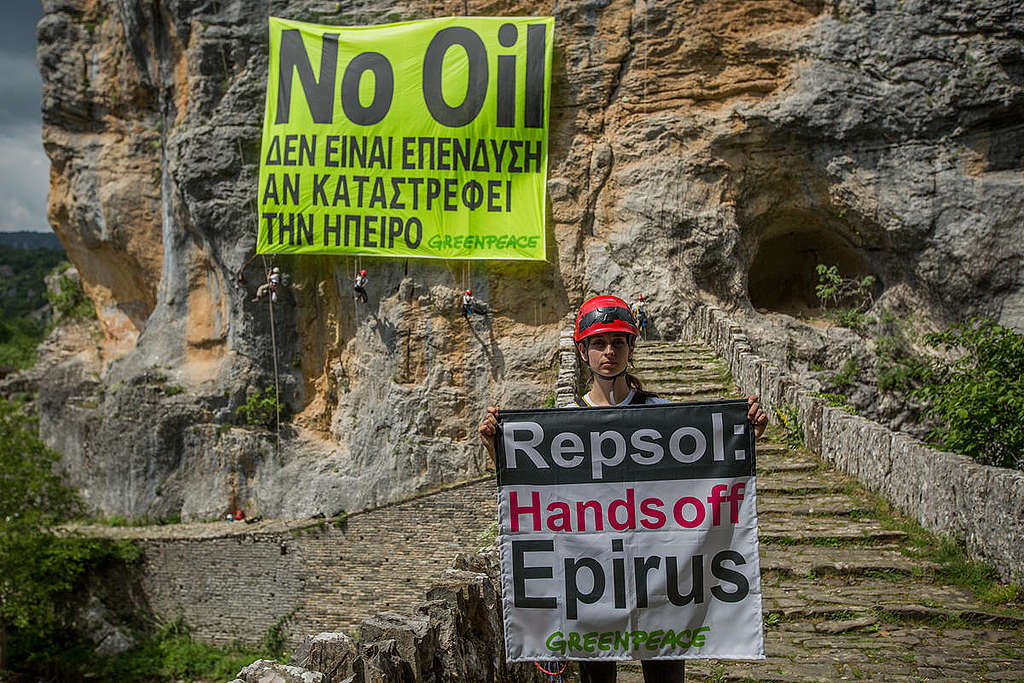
(269, 671)
(697, 152)
(381, 662)
(456, 636)
(332, 654)
(414, 639)
(96, 622)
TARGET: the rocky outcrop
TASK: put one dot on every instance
(456, 636)
(698, 151)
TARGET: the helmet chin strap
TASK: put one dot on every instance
(610, 378)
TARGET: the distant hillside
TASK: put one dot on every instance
(30, 240)
(24, 308)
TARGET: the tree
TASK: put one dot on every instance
(37, 565)
(978, 395)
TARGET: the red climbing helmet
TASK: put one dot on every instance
(600, 314)
(362, 272)
(469, 291)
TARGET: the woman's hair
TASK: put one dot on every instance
(634, 383)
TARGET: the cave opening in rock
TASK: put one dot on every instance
(782, 276)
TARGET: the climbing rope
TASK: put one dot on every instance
(277, 383)
(647, 49)
(556, 676)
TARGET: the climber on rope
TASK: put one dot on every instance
(359, 285)
(270, 286)
(469, 304)
(639, 311)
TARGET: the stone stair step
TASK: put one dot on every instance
(904, 598)
(769, 447)
(657, 346)
(700, 397)
(687, 388)
(893, 653)
(681, 363)
(775, 463)
(810, 481)
(648, 376)
(803, 560)
(804, 529)
(827, 504)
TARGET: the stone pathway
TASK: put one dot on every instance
(844, 596)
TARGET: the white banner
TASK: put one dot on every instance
(629, 533)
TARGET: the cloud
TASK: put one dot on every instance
(18, 25)
(24, 168)
(22, 90)
(24, 179)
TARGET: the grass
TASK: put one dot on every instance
(837, 401)
(954, 567)
(488, 535)
(168, 654)
(789, 432)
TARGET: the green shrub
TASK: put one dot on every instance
(848, 317)
(978, 398)
(845, 378)
(275, 637)
(19, 337)
(835, 290)
(22, 324)
(899, 366)
(69, 300)
(792, 432)
(168, 654)
(261, 409)
(39, 569)
(838, 401)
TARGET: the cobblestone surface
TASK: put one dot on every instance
(843, 597)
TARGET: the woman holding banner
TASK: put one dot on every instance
(605, 336)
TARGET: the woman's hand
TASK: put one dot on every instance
(487, 429)
(755, 414)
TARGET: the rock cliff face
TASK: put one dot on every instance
(698, 151)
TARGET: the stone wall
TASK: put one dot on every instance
(234, 581)
(945, 492)
(569, 383)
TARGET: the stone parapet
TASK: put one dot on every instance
(233, 581)
(568, 382)
(945, 492)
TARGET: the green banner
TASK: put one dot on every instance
(417, 139)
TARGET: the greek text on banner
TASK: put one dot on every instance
(629, 533)
(417, 139)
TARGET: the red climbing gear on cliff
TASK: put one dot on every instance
(359, 285)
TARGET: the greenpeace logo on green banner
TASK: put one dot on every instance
(418, 139)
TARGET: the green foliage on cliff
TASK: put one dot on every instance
(24, 271)
(168, 654)
(22, 300)
(978, 397)
(261, 409)
(39, 569)
(844, 299)
(69, 300)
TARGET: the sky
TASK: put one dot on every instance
(24, 168)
